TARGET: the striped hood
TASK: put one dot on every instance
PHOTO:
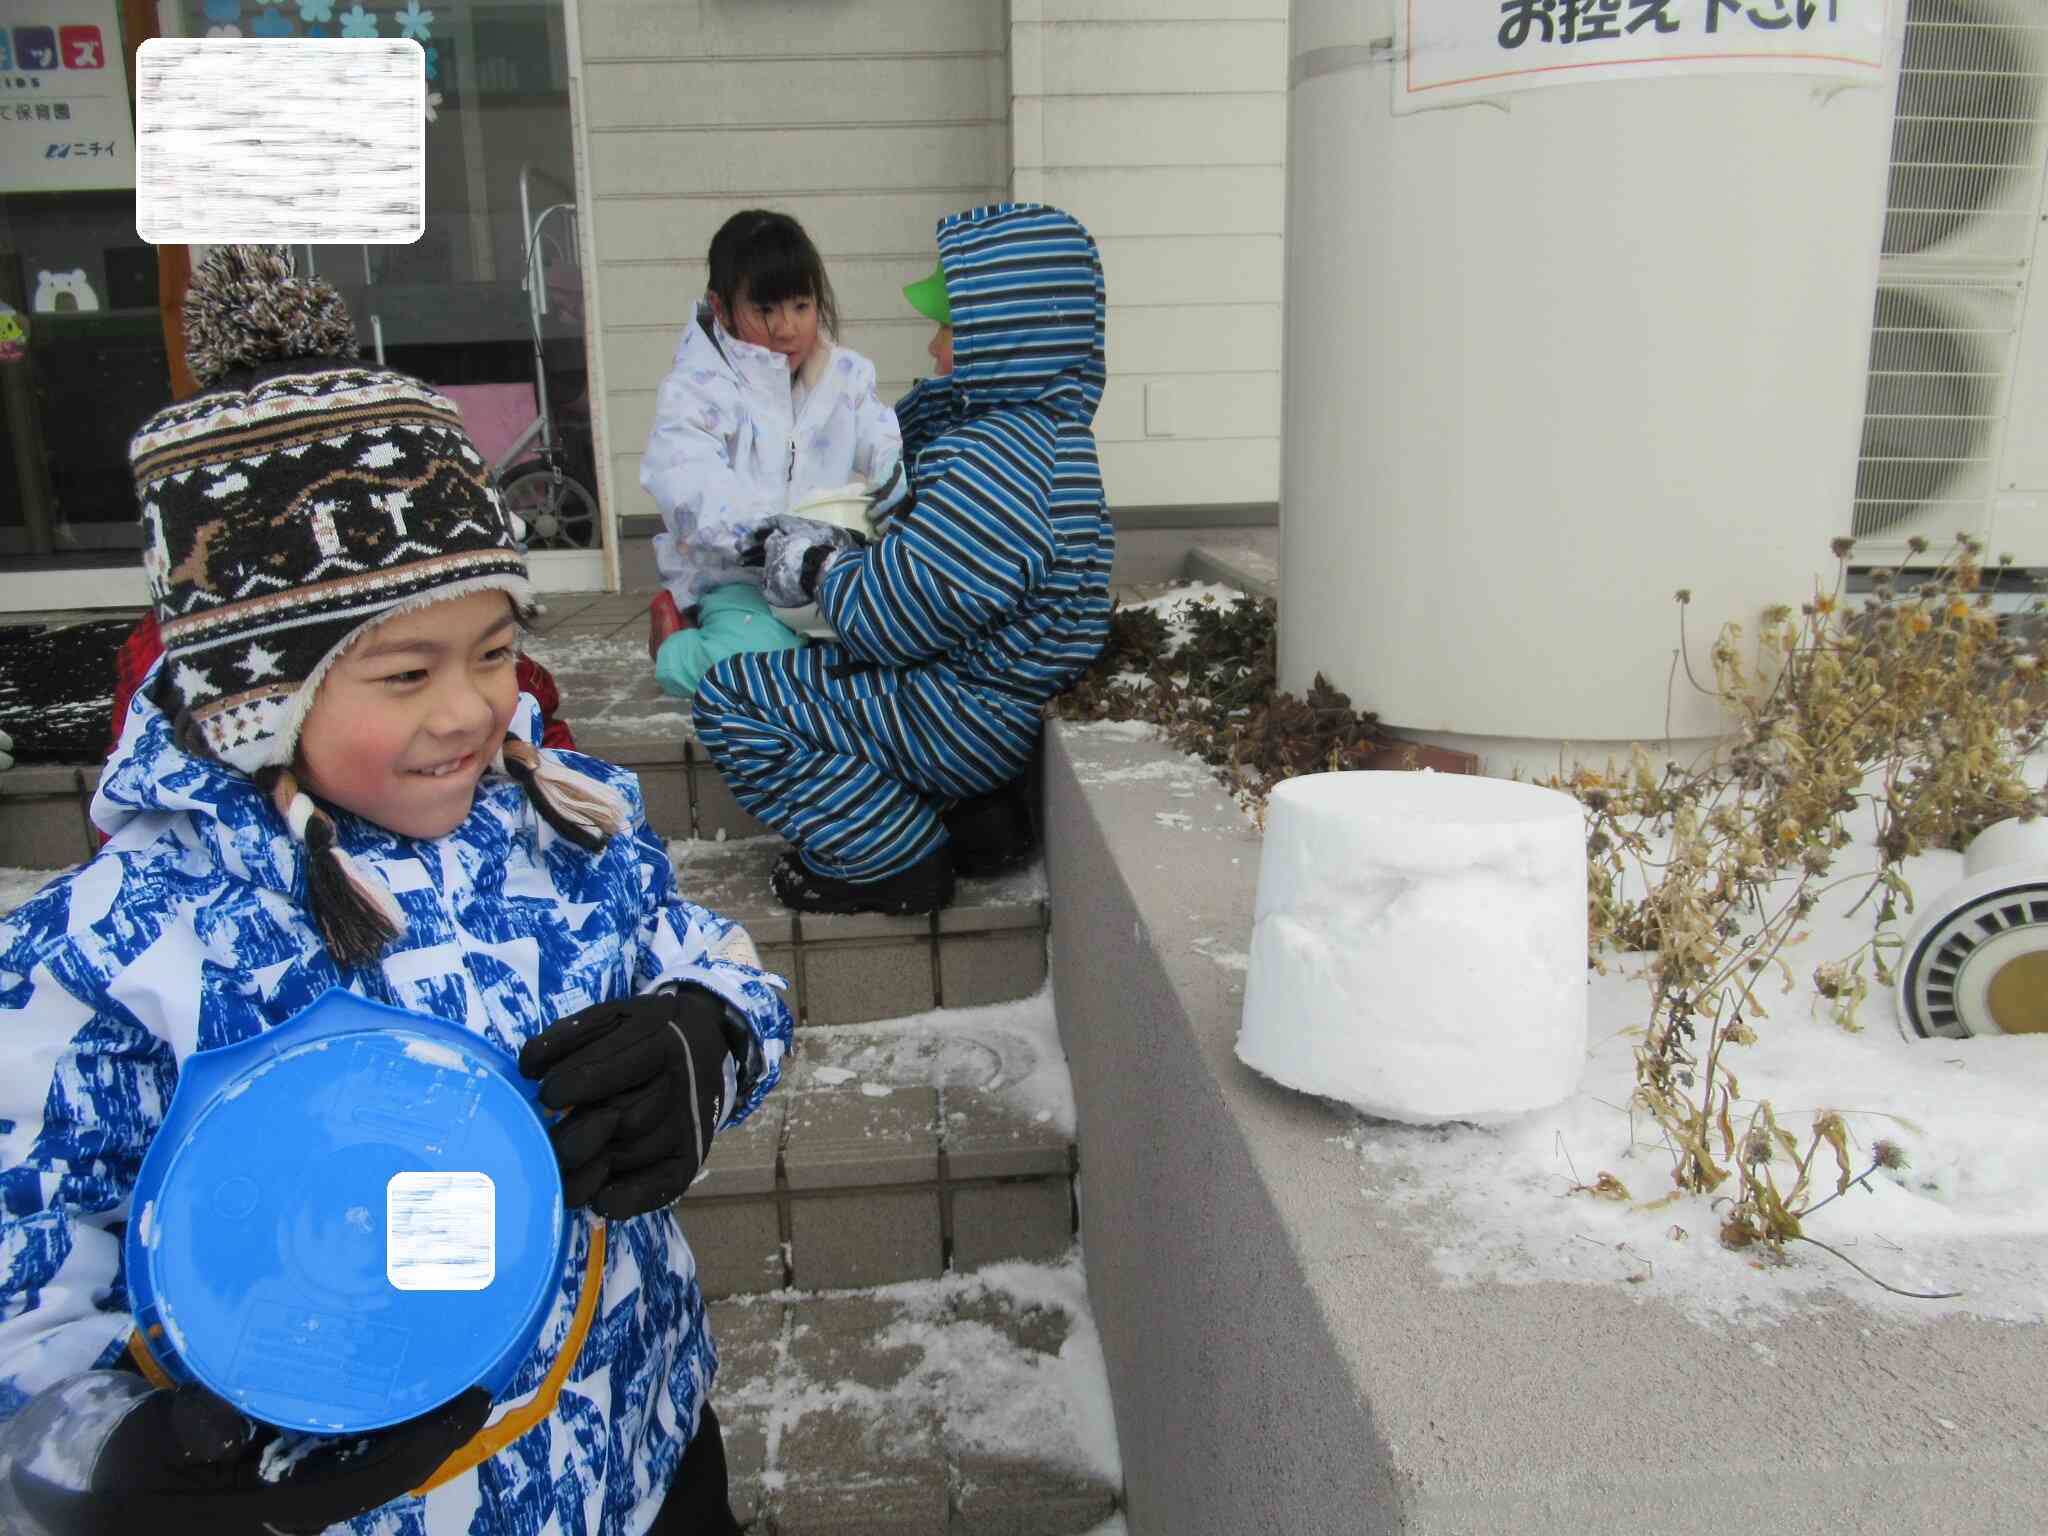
(1025, 285)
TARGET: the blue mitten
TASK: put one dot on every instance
(730, 620)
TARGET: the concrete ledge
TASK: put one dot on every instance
(1254, 571)
(1283, 1356)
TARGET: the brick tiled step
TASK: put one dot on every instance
(970, 1405)
(988, 947)
(43, 823)
(891, 1152)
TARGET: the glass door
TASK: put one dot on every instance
(487, 305)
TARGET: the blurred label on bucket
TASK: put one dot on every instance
(440, 1231)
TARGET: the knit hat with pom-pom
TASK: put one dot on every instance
(301, 498)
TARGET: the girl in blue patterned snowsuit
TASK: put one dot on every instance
(976, 605)
(331, 781)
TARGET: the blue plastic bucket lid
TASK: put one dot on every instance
(347, 1220)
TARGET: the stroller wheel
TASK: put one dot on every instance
(558, 512)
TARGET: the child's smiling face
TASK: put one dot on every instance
(409, 718)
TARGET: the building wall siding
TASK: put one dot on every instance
(867, 120)
(1162, 125)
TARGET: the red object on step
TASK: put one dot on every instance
(664, 618)
(139, 652)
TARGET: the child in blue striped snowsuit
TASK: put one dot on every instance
(978, 603)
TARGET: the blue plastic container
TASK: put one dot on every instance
(347, 1220)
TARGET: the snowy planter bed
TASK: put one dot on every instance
(1314, 1322)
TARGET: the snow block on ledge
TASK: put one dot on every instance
(1419, 945)
(1297, 1340)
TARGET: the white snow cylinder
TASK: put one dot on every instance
(1552, 356)
(1419, 945)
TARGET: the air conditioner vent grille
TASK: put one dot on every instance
(1939, 355)
(1967, 140)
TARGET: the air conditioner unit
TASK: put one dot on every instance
(1955, 427)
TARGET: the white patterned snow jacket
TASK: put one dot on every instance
(734, 444)
(190, 931)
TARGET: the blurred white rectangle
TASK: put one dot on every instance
(280, 141)
(440, 1231)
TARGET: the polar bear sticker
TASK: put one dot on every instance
(63, 292)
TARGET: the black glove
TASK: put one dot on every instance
(792, 552)
(647, 1081)
(185, 1463)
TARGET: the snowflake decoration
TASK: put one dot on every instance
(316, 10)
(223, 31)
(271, 24)
(433, 63)
(414, 22)
(357, 22)
(433, 106)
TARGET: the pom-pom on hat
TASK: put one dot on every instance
(297, 501)
(301, 497)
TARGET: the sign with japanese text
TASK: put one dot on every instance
(1460, 50)
(64, 124)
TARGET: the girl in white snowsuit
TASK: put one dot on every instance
(761, 410)
(331, 782)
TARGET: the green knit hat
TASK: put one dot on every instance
(928, 297)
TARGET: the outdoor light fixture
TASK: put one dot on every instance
(1977, 961)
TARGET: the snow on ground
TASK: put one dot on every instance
(1045, 1401)
(1054, 1408)
(1010, 1049)
(669, 725)
(17, 885)
(581, 653)
(1968, 1213)
(1116, 730)
(1172, 607)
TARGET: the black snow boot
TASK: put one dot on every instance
(992, 833)
(924, 887)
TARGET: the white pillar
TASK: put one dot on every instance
(1551, 357)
